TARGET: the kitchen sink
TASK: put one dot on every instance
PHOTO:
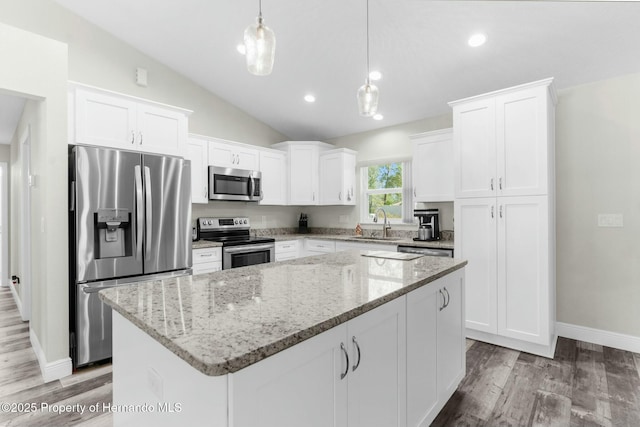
(385, 239)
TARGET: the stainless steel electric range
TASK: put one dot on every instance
(239, 249)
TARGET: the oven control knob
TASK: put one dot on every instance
(210, 222)
(236, 222)
(245, 221)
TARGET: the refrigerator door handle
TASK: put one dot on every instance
(139, 210)
(147, 210)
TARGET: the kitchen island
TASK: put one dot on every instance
(336, 339)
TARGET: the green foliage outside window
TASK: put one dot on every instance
(385, 177)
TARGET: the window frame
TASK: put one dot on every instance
(405, 190)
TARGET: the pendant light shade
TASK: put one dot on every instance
(368, 93)
(368, 99)
(260, 47)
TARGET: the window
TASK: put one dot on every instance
(387, 186)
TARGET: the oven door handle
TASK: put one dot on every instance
(249, 248)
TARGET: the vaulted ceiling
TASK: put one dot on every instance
(420, 47)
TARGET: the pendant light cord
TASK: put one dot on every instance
(260, 9)
(367, 41)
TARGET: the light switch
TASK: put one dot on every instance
(610, 220)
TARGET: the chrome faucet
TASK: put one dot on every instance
(386, 226)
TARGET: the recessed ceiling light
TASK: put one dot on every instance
(240, 48)
(310, 98)
(378, 116)
(477, 40)
(375, 75)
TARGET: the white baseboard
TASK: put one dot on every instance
(51, 371)
(18, 301)
(598, 336)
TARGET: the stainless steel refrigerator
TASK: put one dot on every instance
(130, 220)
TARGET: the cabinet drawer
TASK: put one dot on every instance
(201, 256)
(286, 257)
(287, 247)
(207, 267)
(320, 246)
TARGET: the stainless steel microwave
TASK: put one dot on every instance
(234, 184)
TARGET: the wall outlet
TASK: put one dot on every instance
(344, 219)
(610, 220)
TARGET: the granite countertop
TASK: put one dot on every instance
(204, 244)
(445, 244)
(222, 322)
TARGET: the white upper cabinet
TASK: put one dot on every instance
(198, 153)
(337, 177)
(273, 165)
(108, 119)
(432, 166)
(303, 159)
(227, 154)
(501, 142)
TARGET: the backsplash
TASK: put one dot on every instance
(403, 234)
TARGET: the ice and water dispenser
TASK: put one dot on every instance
(114, 233)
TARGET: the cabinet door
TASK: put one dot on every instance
(273, 166)
(331, 179)
(198, 153)
(451, 336)
(377, 379)
(474, 149)
(422, 333)
(523, 268)
(222, 155)
(303, 175)
(522, 141)
(104, 120)
(475, 241)
(432, 168)
(300, 386)
(161, 130)
(247, 158)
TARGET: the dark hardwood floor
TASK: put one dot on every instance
(584, 385)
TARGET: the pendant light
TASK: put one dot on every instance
(260, 46)
(368, 93)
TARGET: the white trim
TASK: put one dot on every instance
(383, 161)
(599, 336)
(4, 214)
(16, 299)
(51, 371)
(25, 222)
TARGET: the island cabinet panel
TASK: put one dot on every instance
(378, 372)
(301, 386)
(352, 375)
(435, 347)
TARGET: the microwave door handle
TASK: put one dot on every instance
(139, 210)
(252, 186)
(148, 211)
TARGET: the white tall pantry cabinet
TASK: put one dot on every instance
(504, 211)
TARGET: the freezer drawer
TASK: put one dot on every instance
(93, 326)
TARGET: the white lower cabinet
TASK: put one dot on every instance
(509, 287)
(318, 247)
(435, 347)
(287, 250)
(352, 375)
(207, 260)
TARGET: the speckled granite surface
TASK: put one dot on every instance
(203, 244)
(222, 322)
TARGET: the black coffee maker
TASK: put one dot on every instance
(429, 228)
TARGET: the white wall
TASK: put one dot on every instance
(598, 171)
(36, 67)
